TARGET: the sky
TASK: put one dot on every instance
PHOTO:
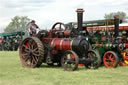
(48, 12)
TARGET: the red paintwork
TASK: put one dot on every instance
(81, 64)
(121, 28)
(46, 40)
(67, 33)
(66, 45)
(61, 44)
(110, 60)
(27, 45)
(58, 23)
(73, 56)
(126, 45)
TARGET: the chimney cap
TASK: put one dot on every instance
(79, 10)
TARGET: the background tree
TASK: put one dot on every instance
(18, 23)
(122, 15)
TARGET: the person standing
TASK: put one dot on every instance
(32, 28)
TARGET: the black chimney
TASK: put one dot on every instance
(116, 23)
(79, 19)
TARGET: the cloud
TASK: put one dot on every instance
(47, 12)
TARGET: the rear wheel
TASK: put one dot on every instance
(31, 52)
(110, 59)
(70, 61)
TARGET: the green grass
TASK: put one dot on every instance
(12, 73)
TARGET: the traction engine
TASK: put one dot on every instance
(59, 46)
(112, 49)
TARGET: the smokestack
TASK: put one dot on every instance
(116, 23)
(79, 18)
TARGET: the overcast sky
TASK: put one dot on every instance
(47, 12)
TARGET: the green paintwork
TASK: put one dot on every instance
(12, 34)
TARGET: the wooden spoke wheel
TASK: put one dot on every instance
(70, 61)
(95, 58)
(110, 59)
(31, 52)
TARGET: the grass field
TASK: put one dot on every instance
(12, 73)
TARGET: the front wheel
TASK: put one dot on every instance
(110, 59)
(95, 58)
(70, 61)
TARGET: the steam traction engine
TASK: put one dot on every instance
(111, 47)
(59, 46)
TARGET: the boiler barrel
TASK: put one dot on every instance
(78, 45)
(61, 44)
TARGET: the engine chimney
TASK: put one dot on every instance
(79, 19)
(116, 23)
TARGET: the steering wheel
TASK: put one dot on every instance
(60, 25)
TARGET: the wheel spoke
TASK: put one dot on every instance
(34, 60)
(35, 50)
(24, 54)
(26, 50)
(30, 44)
(108, 63)
(110, 55)
(113, 63)
(36, 54)
(26, 47)
(106, 58)
(26, 59)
